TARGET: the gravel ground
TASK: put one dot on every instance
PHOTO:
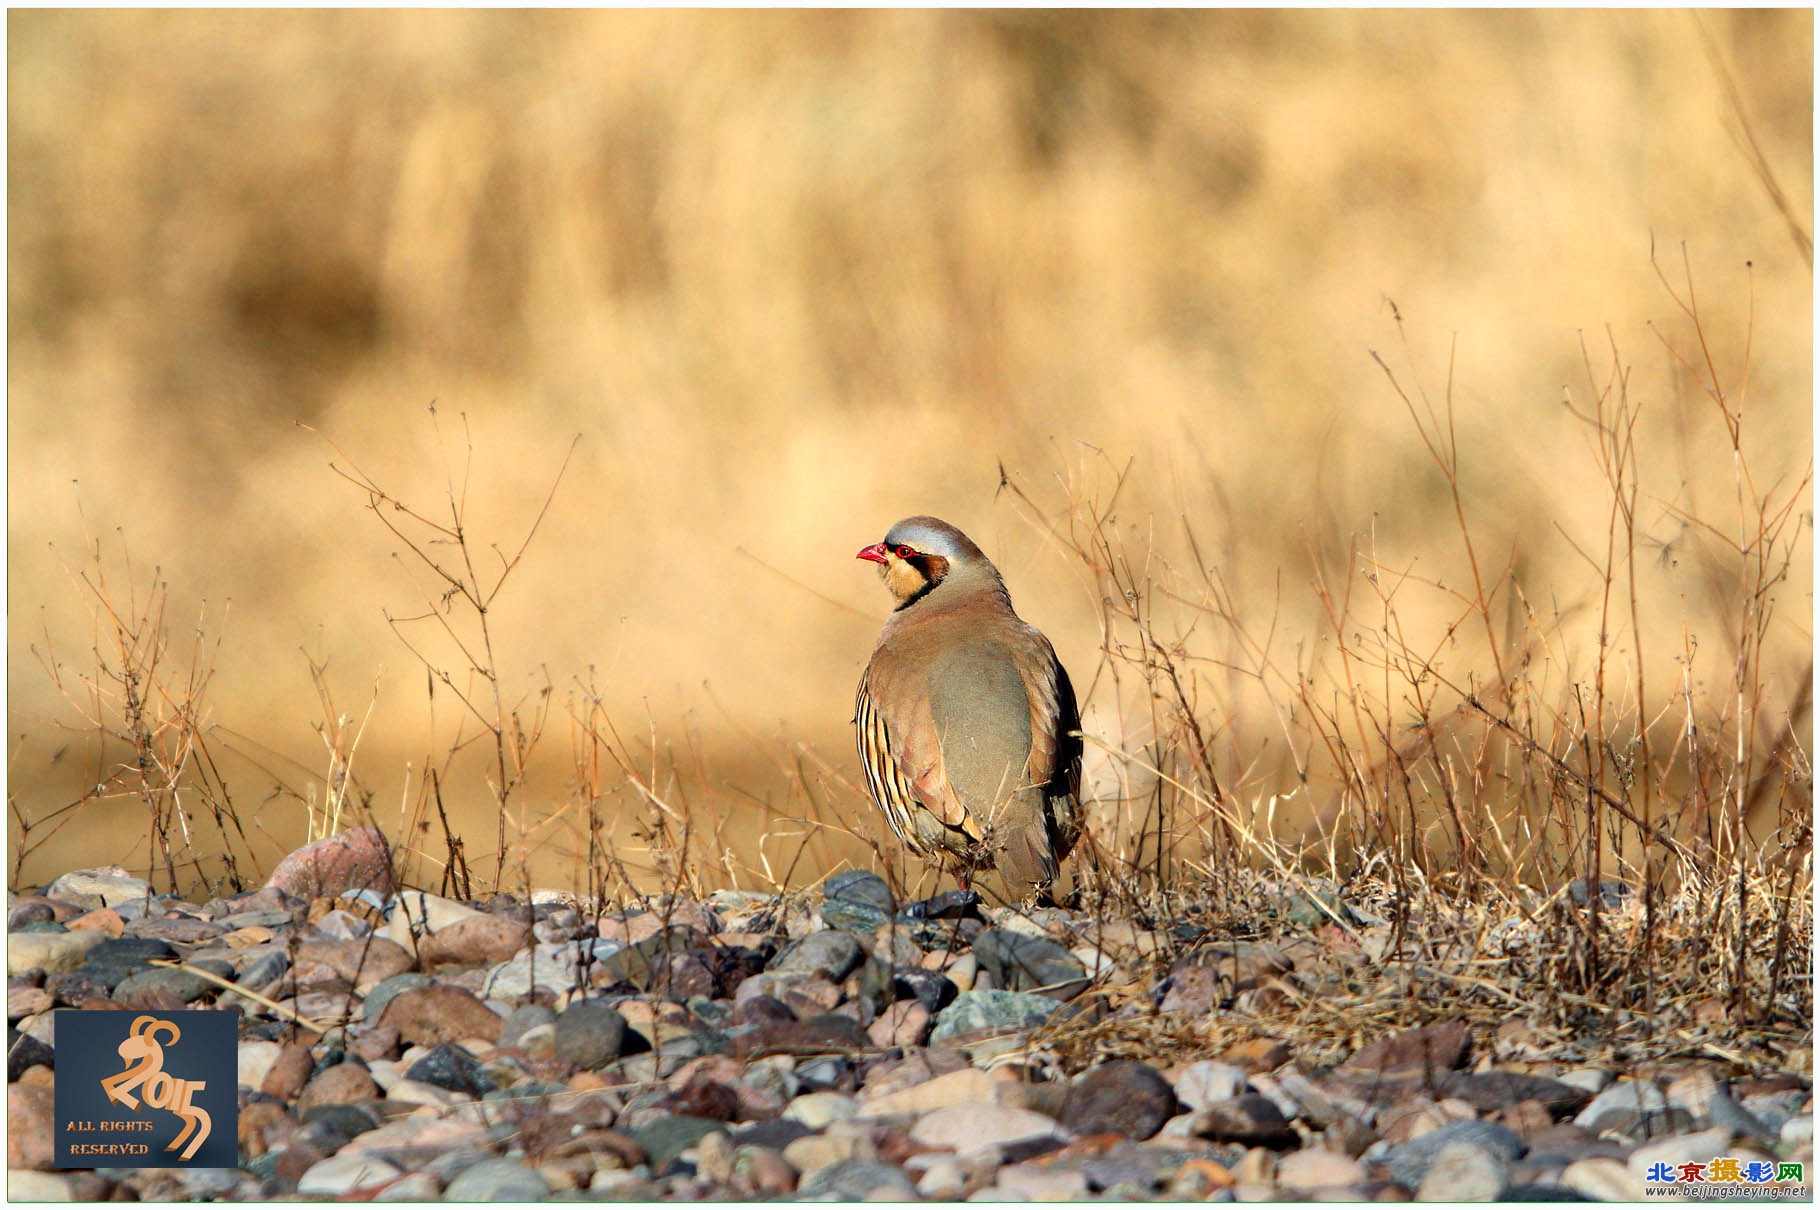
(836, 1046)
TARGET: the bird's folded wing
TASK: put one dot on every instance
(1055, 745)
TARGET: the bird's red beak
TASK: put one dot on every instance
(874, 553)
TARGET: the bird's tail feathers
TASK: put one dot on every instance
(1026, 861)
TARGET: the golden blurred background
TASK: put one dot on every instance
(793, 275)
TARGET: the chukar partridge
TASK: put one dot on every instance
(968, 728)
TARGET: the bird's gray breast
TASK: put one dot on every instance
(981, 712)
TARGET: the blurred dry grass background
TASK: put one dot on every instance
(794, 275)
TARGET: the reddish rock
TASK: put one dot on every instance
(375, 1042)
(341, 1084)
(1525, 1117)
(704, 1097)
(474, 940)
(353, 861)
(105, 919)
(1123, 1097)
(1250, 1119)
(29, 1108)
(764, 1171)
(255, 1118)
(368, 960)
(1437, 1048)
(26, 1002)
(294, 1161)
(440, 1014)
(289, 1072)
(905, 1023)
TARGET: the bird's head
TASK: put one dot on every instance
(922, 553)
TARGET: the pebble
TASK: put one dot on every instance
(991, 1012)
(49, 952)
(440, 1013)
(23, 1185)
(590, 1034)
(1034, 1183)
(1201, 1084)
(412, 1187)
(1409, 1162)
(762, 1046)
(972, 1126)
(831, 953)
(813, 1152)
(1021, 963)
(858, 1180)
(112, 885)
(967, 1085)
(1463, 1172)
(1603, 1180)
(1679, 1148)
(1621, 1102)
(1317, 1168)
(1123, 1097)
(340, 1175)
(356, 860)
(498, 1180)
(817, 1109)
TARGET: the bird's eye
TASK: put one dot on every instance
(906, 552)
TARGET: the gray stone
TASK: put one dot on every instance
(858, 886)
(1622, 1101)
(590, 1034)
(859, 1180)
(498, 1180)
(24, 1051)
(668, 1137)
(343, 1174)
(520, 1020)
(860, 919)
(1409, 1162)
(262, 970)
(161, 981)
(385, 989)
(118, 957)
(1123, 1097)
(450, 1067)
(110, 884)
(1601, 1179)
(51, 953)
(994, 1012)
(1465, 1172)
(830, 953)
(1021, 963)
